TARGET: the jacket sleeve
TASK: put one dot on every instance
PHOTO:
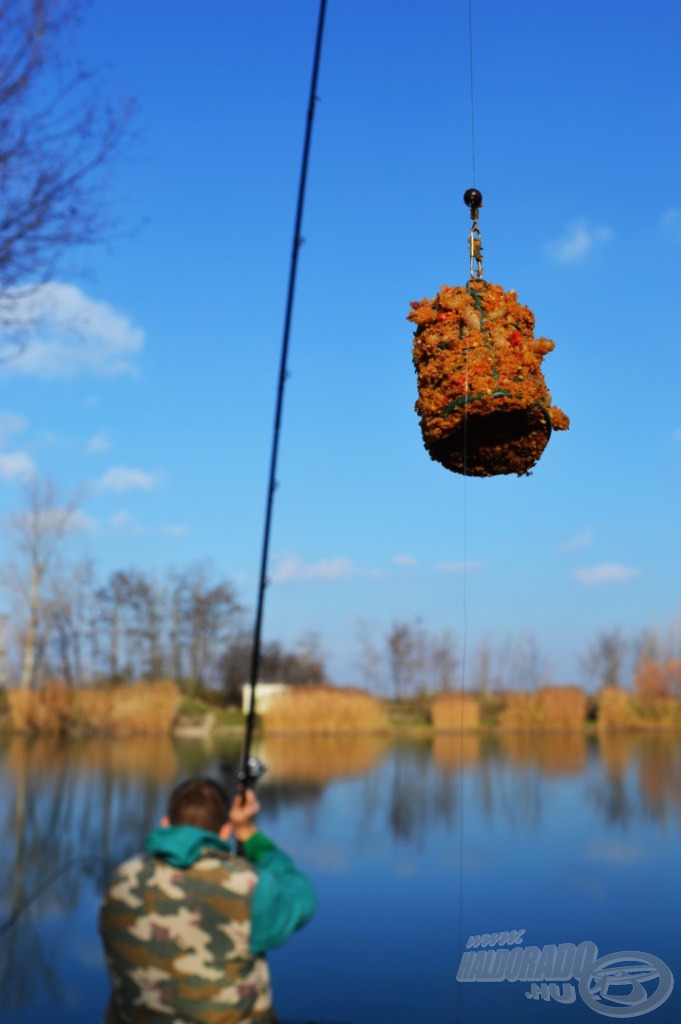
(284, 899)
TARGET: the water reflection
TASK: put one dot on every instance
(89, 803)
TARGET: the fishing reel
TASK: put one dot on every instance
(249, 774)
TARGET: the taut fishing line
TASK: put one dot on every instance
(464, 588)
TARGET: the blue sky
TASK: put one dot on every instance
(151, 379)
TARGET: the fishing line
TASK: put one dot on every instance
(464, 589)
(470, 63)
(46, 883)
(250, 768)
(464, 652)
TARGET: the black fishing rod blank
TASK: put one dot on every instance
(251, 768)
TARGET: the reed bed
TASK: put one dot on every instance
(619, 711)
(615, 710)
(320, 759)
(455, 712)
(143, 708)
(549, 709)
(324, 710)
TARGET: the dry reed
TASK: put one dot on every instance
(621, 711)
(455, 712)
(325, 709)
(144, 708)
(550, 709)
(614, 710)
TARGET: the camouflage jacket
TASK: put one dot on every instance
(183, 944)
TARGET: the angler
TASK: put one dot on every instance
(185, 926)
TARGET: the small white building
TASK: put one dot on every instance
(265, 694)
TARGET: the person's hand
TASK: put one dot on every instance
(242, 814)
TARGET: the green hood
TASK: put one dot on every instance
(181, 845)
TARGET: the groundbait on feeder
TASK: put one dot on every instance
(484, 406)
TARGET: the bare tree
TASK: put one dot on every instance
(369, 660)
(604, 659)
(36, 533)
(485, 676)
(67, 611)
(444, 661)
(57, 138)
(206, 616)
(529, 668)
(303, 666)
(406, 657)
(657, 664)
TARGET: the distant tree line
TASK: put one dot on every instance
(411, 661)
(648, 662)
(188, 625)
(67, 624)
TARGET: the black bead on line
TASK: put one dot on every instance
(473, 199)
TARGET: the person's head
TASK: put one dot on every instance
(200, 802)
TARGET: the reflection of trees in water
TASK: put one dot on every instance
(652, 762)
(411, 787)
(659, 772)
(277, 797)
(89, 801)
(25, 966)
(96, 799)
(613, 791)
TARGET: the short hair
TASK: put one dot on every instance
(200, 802)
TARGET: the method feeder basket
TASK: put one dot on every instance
(484, 405)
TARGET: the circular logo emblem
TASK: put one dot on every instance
(626, 984)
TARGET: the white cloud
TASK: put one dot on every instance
(121, 519)
(66, 333)
(579, 541)
(16, 466)
(125, 521)
(577, 240)
(80, 522)
(671, 223)
(291, 569)
(597, 575)
(174, 530)
(11, 424)
(454, 568)
(124, 478)
(403, 560)
(98, 443)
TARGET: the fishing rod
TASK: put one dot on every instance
(251, 768)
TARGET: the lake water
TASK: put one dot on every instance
(413, 847)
